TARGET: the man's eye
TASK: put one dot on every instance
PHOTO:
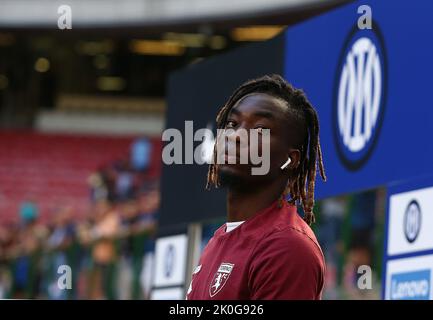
(260, 130)
(230, 124)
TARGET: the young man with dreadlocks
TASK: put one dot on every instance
(266, 250)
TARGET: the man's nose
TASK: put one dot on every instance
(238, 136)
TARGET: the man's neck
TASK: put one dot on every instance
(244, 205)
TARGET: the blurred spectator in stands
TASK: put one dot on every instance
(128, 211)
(27, 253)
(64, 230)
(359, 255)
(109, 176)
(6, 241)
(363, 218)
(84, 264)
(141, 150)
(98, 187)
(361, 245)
(124, 181)
(104, 252)
(59, 243)
(332, 211)
(28, 211)
(149, 205)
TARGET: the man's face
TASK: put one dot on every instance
(255, 112)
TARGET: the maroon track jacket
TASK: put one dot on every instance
(272, 255)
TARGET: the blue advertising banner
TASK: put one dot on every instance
(408, 248)
(371, 88)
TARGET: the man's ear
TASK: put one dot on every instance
(295, 156)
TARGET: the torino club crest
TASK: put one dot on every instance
(220, 278)
(359, 96)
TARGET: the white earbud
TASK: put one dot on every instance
(286, 164)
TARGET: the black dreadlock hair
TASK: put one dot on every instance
(301, 187)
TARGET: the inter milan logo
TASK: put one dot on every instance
(359, 97)
(170, 257)
(220, 278)
(412, 221)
